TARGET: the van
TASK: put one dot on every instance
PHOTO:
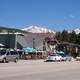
(6, 56)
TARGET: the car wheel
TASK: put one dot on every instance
(4, 60)
(60, 60)
(16, 60)
(55, 60)
(69, 60)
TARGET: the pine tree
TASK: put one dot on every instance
(59, 36)
(73, 37)
(78, 39)
(65, 36)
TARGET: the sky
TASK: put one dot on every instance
(53, 14)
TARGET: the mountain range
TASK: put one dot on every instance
(38, 29)
(77, 30)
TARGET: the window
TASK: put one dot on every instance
(8, 53)
(13, 52)
(2, 52)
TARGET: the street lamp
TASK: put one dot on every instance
(15, 40)
(34, 43)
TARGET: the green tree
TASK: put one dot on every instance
(73, 37)
(78, 39)
(59, 36)
(65, 36)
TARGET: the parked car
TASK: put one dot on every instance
(66, 58)
(54, 57)
(6, 56)
(78, 58)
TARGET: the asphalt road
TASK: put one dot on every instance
(40, 70)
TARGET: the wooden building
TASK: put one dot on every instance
(70, 48)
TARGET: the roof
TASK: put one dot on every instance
(6, 29)
(70, 44)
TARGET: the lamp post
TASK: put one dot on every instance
(15, 40)
(34, 43)
(8, 43)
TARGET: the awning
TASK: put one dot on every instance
(28, 49)
(60, 53)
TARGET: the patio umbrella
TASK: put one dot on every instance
(28, 49)
(61, 53)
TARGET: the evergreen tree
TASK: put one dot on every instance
(78, 39)
(73, 37)
(65, 36)
(59, 36)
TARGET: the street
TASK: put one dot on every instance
(40, 70)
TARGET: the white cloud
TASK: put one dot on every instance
(71, 16)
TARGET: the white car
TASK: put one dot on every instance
(66, 58)
(54, 57)
(78, 58)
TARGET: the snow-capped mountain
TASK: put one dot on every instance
(77, 30)
(38, 29)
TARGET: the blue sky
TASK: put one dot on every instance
(53, 14)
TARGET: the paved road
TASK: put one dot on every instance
(40, 70)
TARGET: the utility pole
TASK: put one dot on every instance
(34, 43)
(15, 40)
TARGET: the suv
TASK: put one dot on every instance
(6, 56)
